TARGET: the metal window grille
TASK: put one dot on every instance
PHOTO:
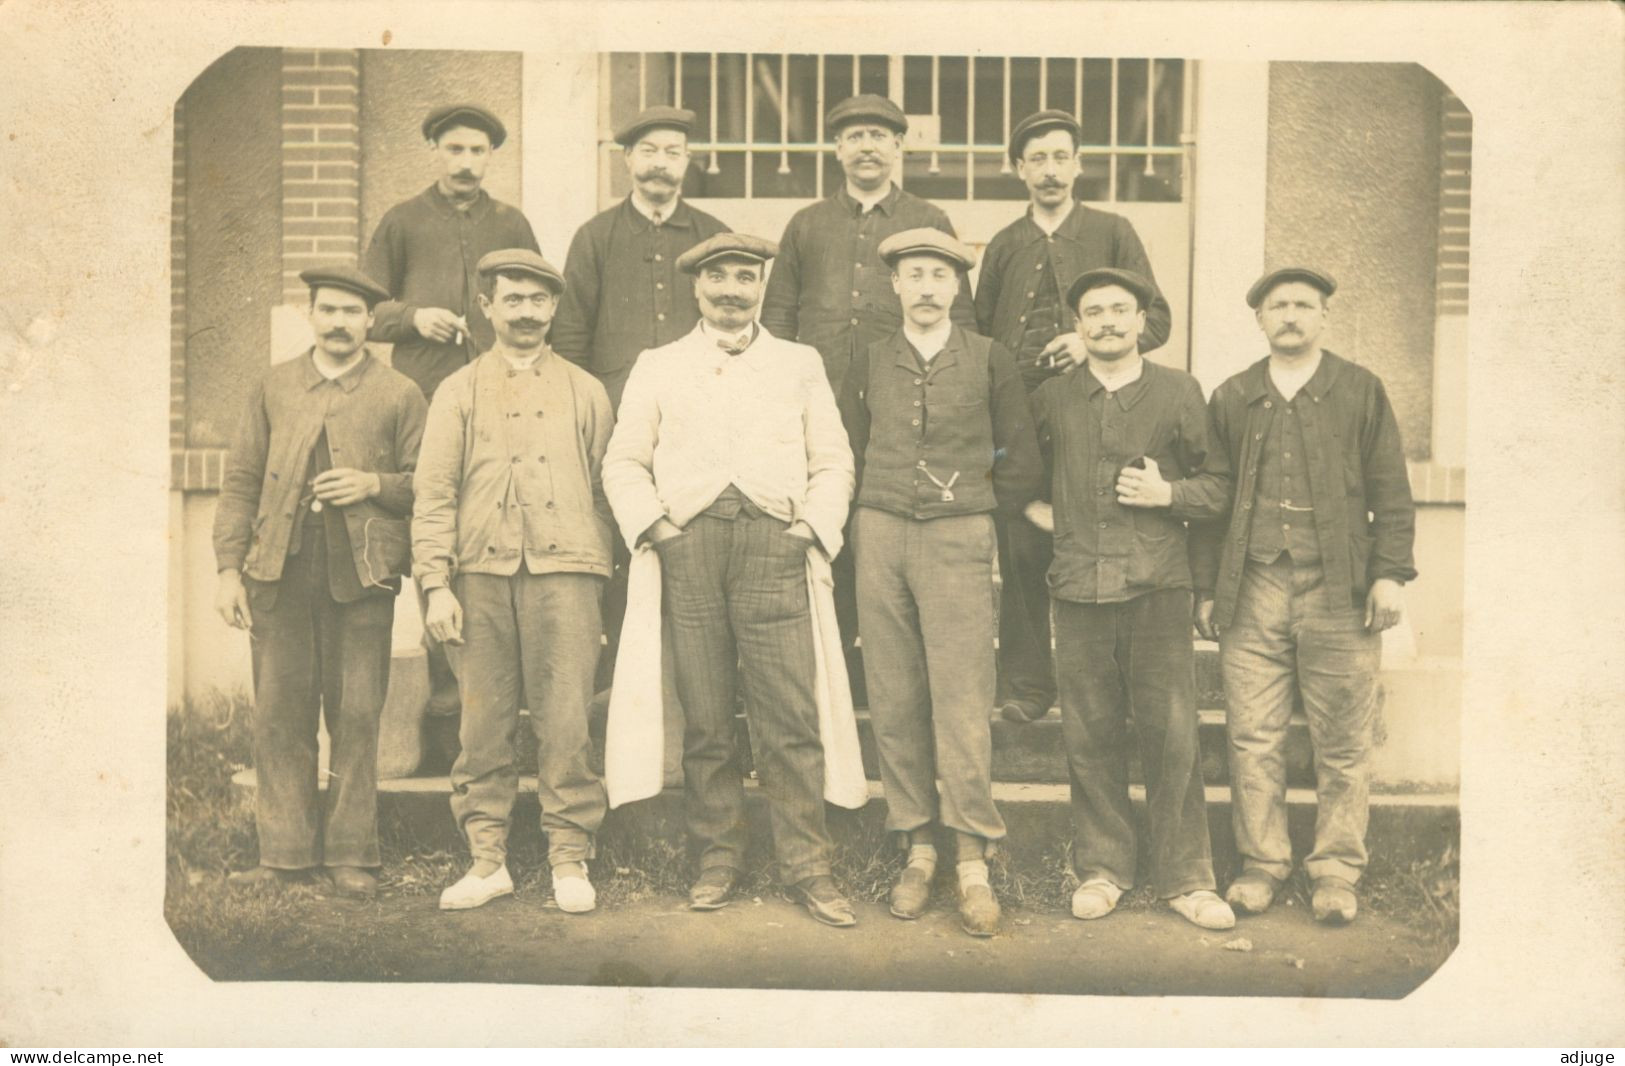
(760, 131)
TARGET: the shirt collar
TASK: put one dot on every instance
(1257, 381)
(886, 206)
(948, 356)
(1032, 216)
(676, 212)
(1067, 227)
(310, 377)
(482, 202)
(929, 342)
(717, 337)
(1129, 394)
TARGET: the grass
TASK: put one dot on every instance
(641, 857)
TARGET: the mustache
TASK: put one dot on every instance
(338, 334)
(735, 302)
(528, 323)
(1051, 184)
(1108, 332)
(662, 176)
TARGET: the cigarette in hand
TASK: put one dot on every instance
(457, 338)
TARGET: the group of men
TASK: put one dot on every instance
(744, 413)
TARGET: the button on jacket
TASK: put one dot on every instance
(829, 287)
(623, 293)
(1359, 489)
(373, 418)
(914, 425)
(1021, 252)
(695, 420)
(1106, 552)
(424, 252)
(510, 473)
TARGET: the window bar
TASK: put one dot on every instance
(1077, 90)
(1111, 156)
(970, 128)
(784, 112)
(818, 120)
(1043, 83)
(1187, 140)
(857, 61)
(1004, 157)
(936, 110)
(677, 79)
(643, 80)
(1150, 115)
(716, 133)
(750, 122)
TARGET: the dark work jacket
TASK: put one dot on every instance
(623, 293)
(830, 289)
(1106, 552)
(1365, 519)
(424, 252)
(964, 411)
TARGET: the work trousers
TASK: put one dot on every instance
(315, 659)
(1286, 643)
(1026, 667)
(925, 610)
(1133, 660)
(529, 640)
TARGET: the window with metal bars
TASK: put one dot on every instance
(760, 130)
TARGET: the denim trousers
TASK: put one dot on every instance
(314, 660)
(925, 612)
(1288, 643)
(529, 640)
(1133, 660)
(1026, 666)
(734, 599)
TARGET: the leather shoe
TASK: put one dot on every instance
(823, 900)
(1021, 712)
(911, 893)
(263, 877)
(353, 881)
(1252, 892)
(712, 890)
(1334, 901)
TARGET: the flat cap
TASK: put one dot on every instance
(1041, 122)
(662, 117)
(866, 107)
(1309, 275)
(348, 278)
(927, 240)
(1138, 284)
(521, 261)
(735, 245)
(472, 115)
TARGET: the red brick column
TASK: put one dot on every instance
(321, 151)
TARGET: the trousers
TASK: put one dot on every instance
(317, 660)
(734, 600)
(528, 640)
(1286, 643)
(1121, 661)
(925, 611)
(1026, 667)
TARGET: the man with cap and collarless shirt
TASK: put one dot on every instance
(1299, 584)
(1027, 268)
(310, 551)
(943, 438)
(830, 288)
(1126, 443)
(511, 537)
(623, 292)
(425, 251)
(730, 459)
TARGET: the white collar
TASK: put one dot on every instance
(726, 338)
(520, 362)
(930, 342)
(326, 368)
(1289, 381)
(1049, 227)
(1111, 382)
(649, 211)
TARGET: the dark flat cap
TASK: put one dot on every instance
(348, 278)
(927, 241)
(735, 245)
(472, 115)
(1138, 284)
(866, 107)
(1309, 275)
(521, 261)
(650, 118)
(1041, 122)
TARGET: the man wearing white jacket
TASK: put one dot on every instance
(730, 459)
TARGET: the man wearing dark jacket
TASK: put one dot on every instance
(1028, 268)
(1299, 586)
(942, 437)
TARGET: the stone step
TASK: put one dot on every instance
(1403, 827)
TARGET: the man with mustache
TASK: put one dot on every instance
(1028, 267)
(830, 288)
(1298, 588)
(510, 539)
(424, 252)
(730, 460)
(623, 293)
(310, 540)
(942, 436)
(1126, 442)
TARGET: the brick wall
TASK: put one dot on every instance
(1455, 203)
(321, 155)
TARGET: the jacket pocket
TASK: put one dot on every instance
(386, 550)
